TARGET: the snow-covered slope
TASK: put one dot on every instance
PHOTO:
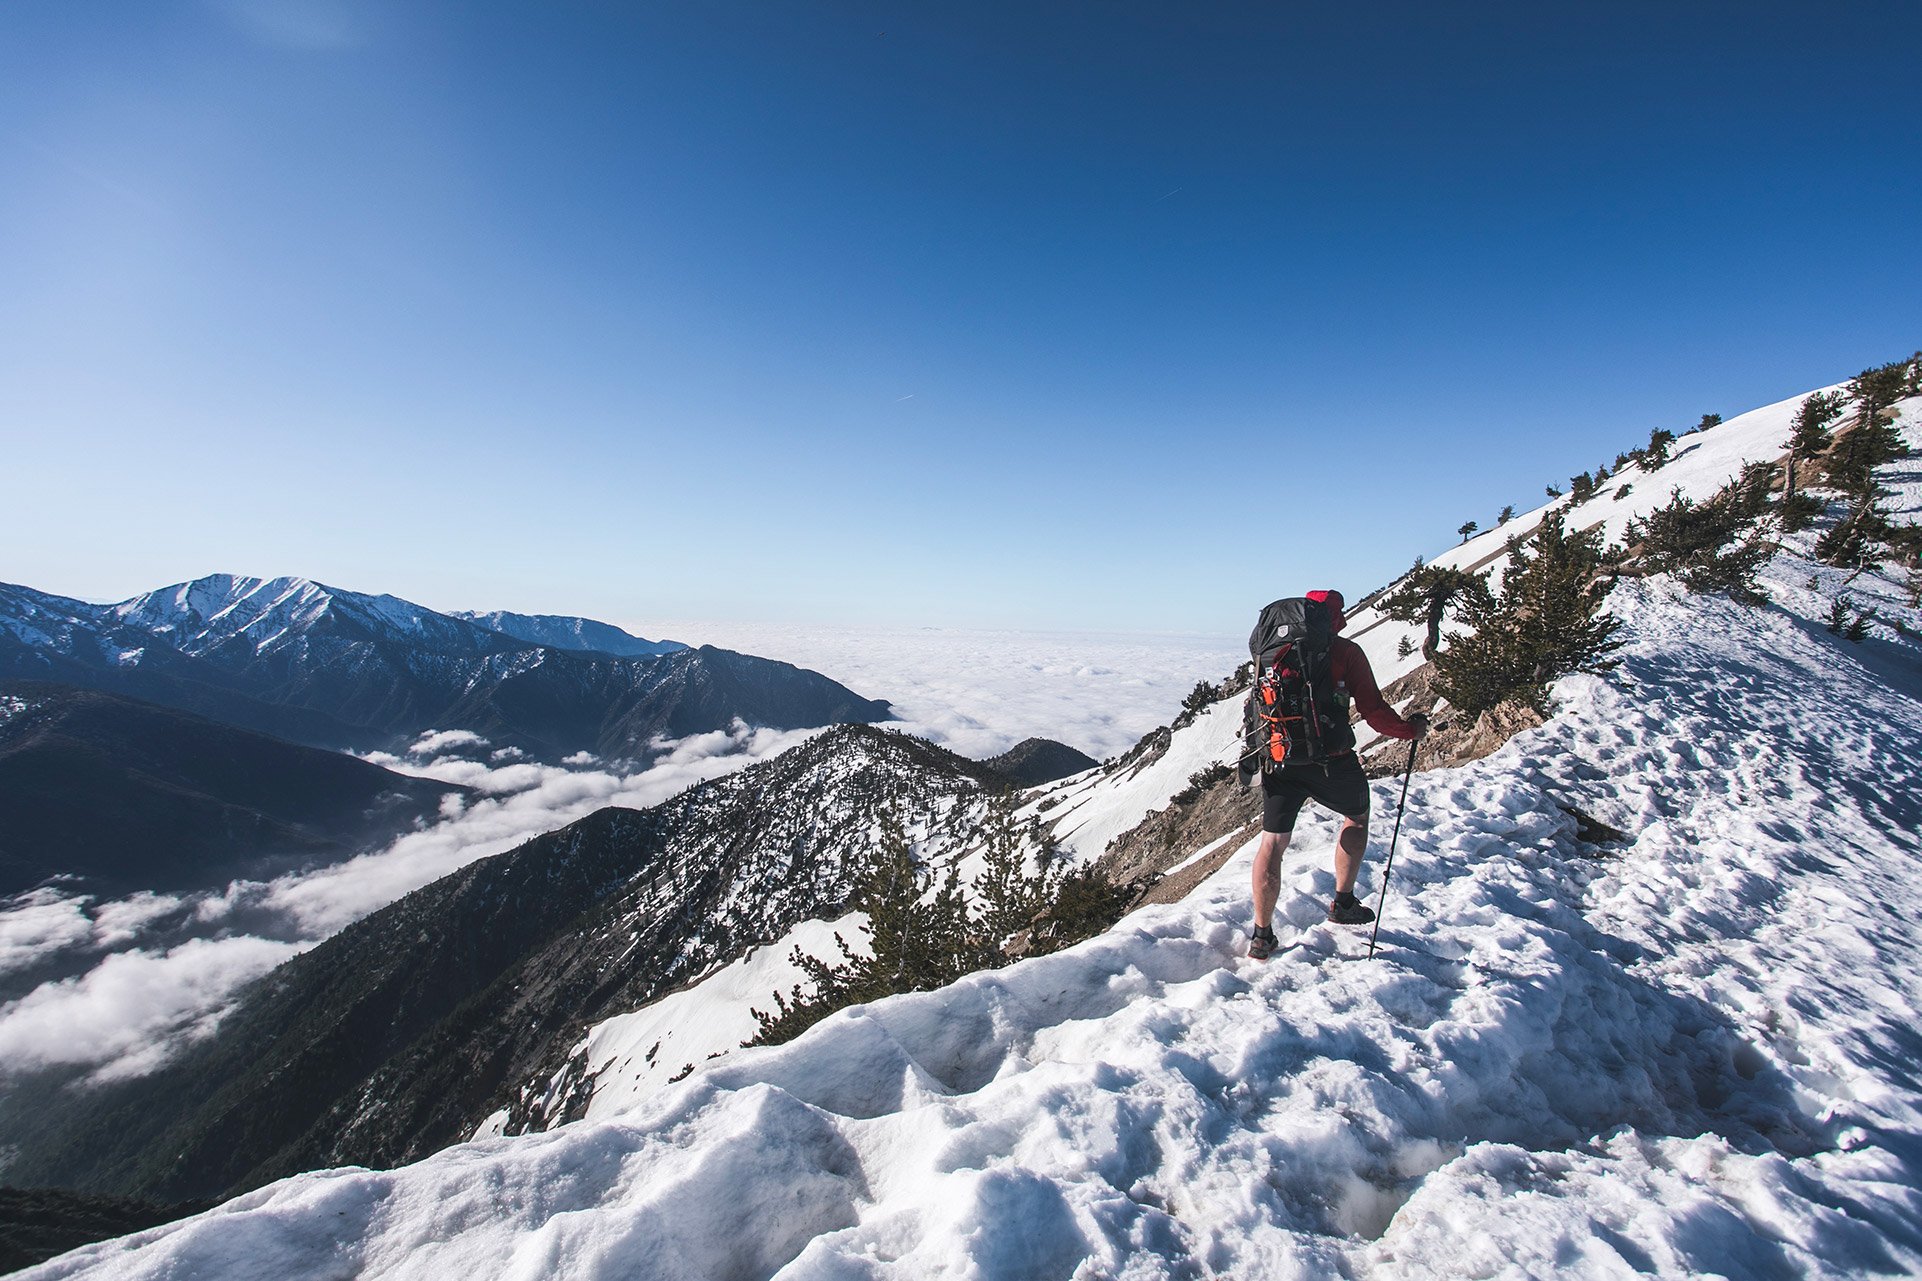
(1698, 464)
(1690, 1054)
(1086, 812)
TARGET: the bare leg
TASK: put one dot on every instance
(1268, 875)
(1349, 846)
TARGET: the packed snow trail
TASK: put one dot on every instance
(1691, 1054)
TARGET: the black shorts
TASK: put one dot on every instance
(1341, 786)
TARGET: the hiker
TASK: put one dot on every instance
(1336, 780)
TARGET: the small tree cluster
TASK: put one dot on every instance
(1851, 466)
(1581, 487)
(924, 931)
(1200, 781)
(1847, 621)
(1704, 544)
(1546, 623)
(1875, 390)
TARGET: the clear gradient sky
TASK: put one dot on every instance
(1088, 315)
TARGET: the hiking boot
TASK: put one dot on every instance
(1261, 943)
(1346, 909)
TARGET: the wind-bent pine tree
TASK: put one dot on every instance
(1467, 531)
(1426, 595)
(1546, 623)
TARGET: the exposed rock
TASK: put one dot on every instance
(1453, 739)
(1145, 852)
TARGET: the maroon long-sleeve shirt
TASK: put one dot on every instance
(1349, 666)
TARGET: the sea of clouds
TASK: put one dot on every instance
(111, 988)
(980, 692)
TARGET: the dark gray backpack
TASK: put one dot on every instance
(1294, 715)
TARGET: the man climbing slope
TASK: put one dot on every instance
(1300, 654)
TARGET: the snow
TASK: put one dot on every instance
(1093, 808)
(1691, 1054)
(632, 1056)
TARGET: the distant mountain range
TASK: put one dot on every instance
(331, 668)
(124, 795)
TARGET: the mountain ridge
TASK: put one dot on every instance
(343, 670)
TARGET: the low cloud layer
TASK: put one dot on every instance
(981, 692)
(141, 975)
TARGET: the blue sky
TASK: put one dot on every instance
(1102, 315)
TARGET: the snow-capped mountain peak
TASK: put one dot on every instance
(220, 609)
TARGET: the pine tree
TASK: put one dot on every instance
(1508, 514)
(1809, 435)
(1008, 898)
(1552, 491)
(1872, 442)
(915, 935)
(1199, 697)
(924, 931)
(1708, 421)
(1656, 455)
(1427, 595)
(1581, 487)
(1546, 623)
(1751, 492)
(1467, 530)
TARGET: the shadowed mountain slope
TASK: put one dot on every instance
(125, 795)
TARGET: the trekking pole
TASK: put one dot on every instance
(1389, 866)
